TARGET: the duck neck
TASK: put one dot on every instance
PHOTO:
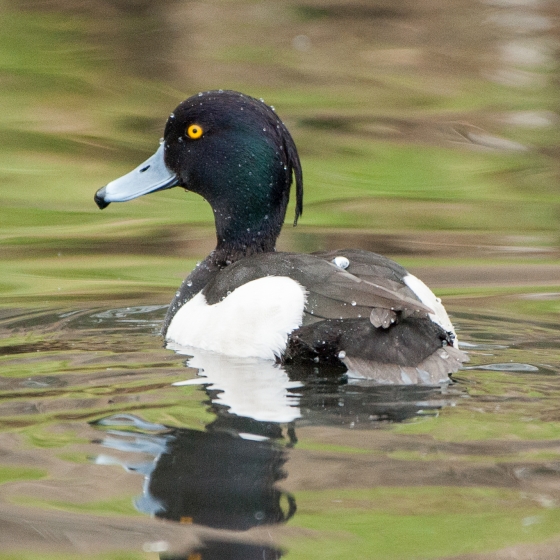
(242, 234)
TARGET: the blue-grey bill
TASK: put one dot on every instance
(150, 176)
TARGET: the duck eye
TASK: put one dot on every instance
(194, 131)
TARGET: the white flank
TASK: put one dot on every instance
(253, 321)
(427, 297)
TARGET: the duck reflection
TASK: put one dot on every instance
(247, 387)
(222, 550)
(216, 478)
(311, 395)
(219, 480)
(226, 476)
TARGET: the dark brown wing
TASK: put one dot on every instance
(379, 270)
(333, 293)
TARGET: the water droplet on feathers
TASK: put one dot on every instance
(341, 262)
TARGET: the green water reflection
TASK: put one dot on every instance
(428, 131)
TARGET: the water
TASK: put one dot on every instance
(98, 444)
(428, 132)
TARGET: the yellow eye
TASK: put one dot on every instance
(194, 131)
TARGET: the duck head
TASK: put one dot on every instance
(234, 151)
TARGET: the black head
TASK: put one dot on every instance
(234, 151)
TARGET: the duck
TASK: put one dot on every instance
(348, 307)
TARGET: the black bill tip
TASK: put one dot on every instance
(100, 199)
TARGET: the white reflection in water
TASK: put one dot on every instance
(513, 3)
(126, 312)
(506, 367)
(525, 53)
(521, 22)
(513, 77)
(532, 119)
(250, 387)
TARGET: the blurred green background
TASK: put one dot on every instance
(436, 121)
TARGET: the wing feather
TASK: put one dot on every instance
(332, 291)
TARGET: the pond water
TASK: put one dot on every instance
(428, 132)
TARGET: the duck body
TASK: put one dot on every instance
(247, 300)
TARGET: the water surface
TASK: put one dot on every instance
(428, 132)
